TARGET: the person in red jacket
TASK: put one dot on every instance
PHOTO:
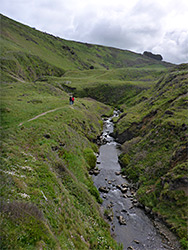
(73, 100)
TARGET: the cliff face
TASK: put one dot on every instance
(155, 148)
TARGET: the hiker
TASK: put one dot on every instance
(70, 100)
(73, 100)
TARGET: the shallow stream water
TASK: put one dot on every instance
(135, 230)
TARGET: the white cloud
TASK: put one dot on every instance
(160, 26)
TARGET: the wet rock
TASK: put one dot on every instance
(130, 248)
(110, 217)
(124, 196)
(138, 204)
(134, 200)
(118, 173)
(136, 241)
(104, 189)
(110, 205)
(109, 214)
(94, 172)
(147, 210)
(122, 187)
(124, 211)
(100, 140)
(122, 220)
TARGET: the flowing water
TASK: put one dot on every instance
(129, 224)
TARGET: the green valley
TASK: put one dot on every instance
(48, 199)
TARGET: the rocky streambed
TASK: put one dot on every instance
(129, 223)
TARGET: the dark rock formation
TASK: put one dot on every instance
(153, 56)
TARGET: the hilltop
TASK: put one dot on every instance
(25, 49)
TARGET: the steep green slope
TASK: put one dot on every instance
(113, 86)
(153, 129)
(106, 74)
(48, 200)
(24, 50)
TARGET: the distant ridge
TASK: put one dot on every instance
(22, 45)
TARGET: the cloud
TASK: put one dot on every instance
(159, 26)
(174, 46)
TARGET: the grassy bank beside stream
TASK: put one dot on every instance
(153, 130)
(48, 199)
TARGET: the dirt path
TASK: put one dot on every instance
(36, 117)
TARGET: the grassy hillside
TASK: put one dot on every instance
(29, 54)
(48, 200)
(153, 129)
(107, 74)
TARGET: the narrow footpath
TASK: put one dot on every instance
(42, 114)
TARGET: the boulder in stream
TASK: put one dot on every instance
(130, 248)
(123, 188)
(94, 171)
(104, 189)
(122, 220)
(147, 210)
(118, 173)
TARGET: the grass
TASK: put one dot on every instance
(155, 158)
(26, 49)
(113, 86)
(45, 166)
(48, 199)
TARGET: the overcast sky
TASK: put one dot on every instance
(159, 26)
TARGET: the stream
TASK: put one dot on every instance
(129, 224)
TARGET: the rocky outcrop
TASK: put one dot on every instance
(153, 56)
